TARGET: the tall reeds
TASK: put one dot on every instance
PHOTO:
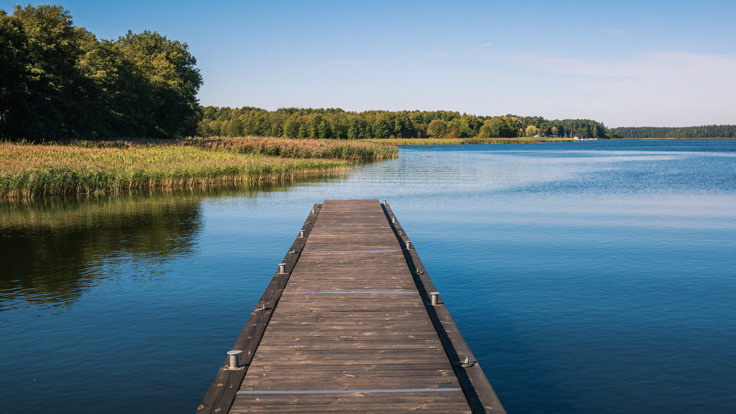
(30, 171)
(300, 148)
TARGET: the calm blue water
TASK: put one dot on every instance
(590, 277)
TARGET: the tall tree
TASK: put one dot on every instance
(42, 43)
(60, 81)
(173, 81)
(12, 70)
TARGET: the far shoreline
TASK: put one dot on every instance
(519, 140)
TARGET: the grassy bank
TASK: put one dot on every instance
(458, 141)
(29, 171)
(300, 148)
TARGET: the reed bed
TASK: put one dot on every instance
(459, 141)
(300, 148)
(349, 150)
(30, 171)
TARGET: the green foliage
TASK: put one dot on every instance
(706, 131)
(501, 127)
(60, 81)
(531, 131)
(436, 129)
(172, 80)
(339, 124)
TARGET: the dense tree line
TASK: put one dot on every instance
(705, 131)
(60, 81)
(339, 124)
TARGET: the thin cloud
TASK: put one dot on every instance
(658, 87)
(696, 74)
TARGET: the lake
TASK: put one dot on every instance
(587, 277)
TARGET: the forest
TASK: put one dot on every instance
(339, 124)
(59, 81)
(705, 131)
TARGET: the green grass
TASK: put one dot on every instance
(29, 171)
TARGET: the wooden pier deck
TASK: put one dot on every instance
(347, 325)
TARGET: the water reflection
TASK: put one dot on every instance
(51, 252)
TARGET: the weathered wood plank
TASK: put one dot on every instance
(437, 402)
(349, 329)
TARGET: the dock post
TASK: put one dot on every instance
(435, 297)
(233, 356)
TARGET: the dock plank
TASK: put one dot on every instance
(350, 328)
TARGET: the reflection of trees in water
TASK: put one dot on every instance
(52, 251)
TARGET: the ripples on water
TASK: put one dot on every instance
(587, 277)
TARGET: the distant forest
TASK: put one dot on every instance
(339, 124)
(705, 131)
(60, 81)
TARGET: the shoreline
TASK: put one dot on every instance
(504, 141)
(466, 141)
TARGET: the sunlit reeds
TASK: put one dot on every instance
(126, 166)
(300, 148)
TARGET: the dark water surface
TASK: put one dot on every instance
(590, 277)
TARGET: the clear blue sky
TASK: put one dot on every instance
(624, 63)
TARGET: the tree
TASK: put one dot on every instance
(323, 130)
(60, 81)
(234, 128)
(41, 50)
(485, 130)
(381, 128)
(12, 72)
(291, 127)
(531, 131)
(437, 128)
(499, 127)
(172, 77)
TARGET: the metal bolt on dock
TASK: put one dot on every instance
(435, 297)
(233, 358)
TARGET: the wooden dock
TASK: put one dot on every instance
(347, 324)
